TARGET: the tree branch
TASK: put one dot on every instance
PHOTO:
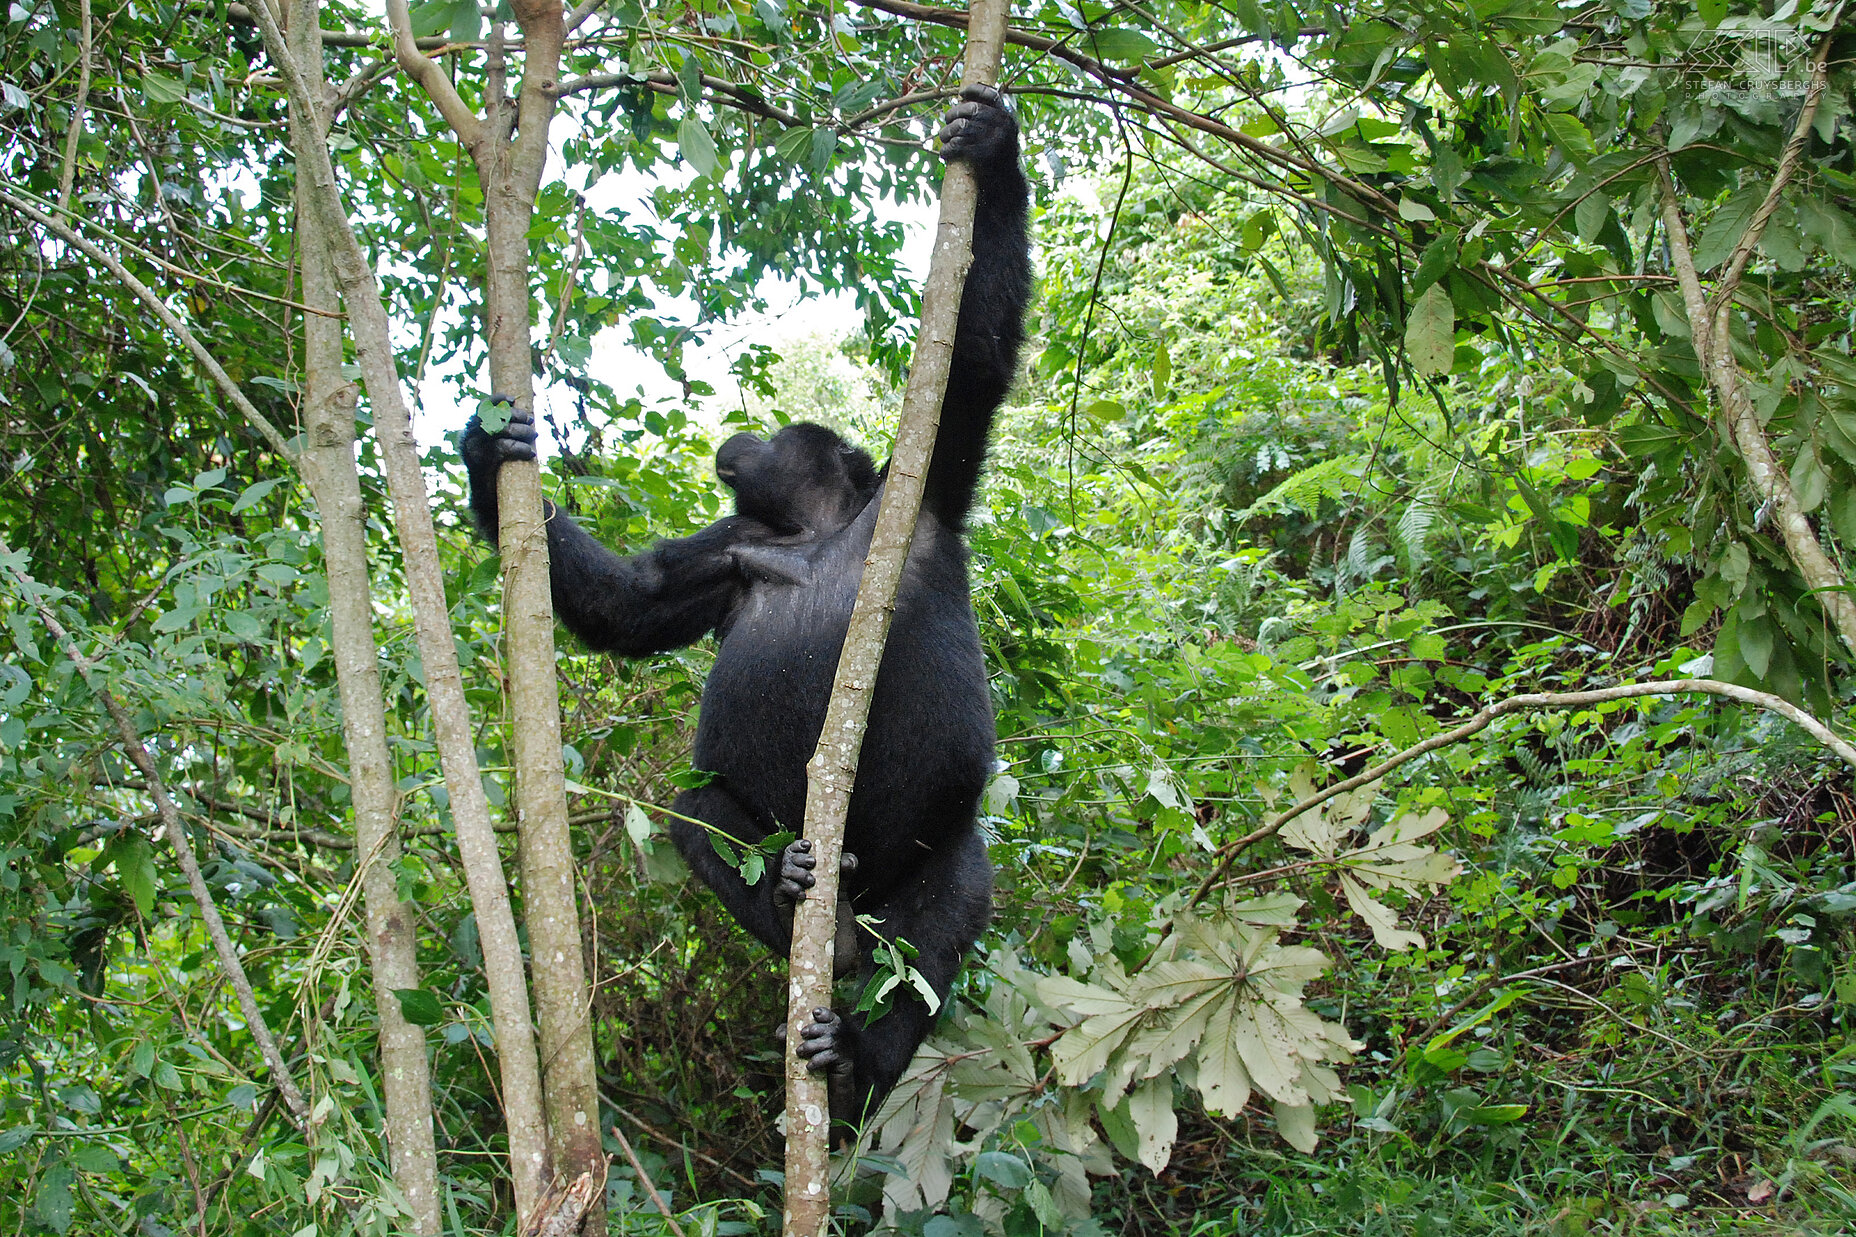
(832, 772)
(33, 594)
(431, 78)
(68, 173)
(1781, 177)
(1710, 333)
(147, 296)
(1480, 721)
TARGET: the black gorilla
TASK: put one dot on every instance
(776, 581)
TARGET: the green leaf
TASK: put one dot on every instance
(1756, 644)
(18, 1136)
(159, 88)
(1492, 1114)
(794, 145)
(54, 1204)
(1257, 229)
(698, 147)
(1569, 134)
(1003, 1169)
(1117, 46)
(420, 1006)
(1644, 440)
(1430, 333)
(95, 1158)
(1809, 480)
(135, 868)
(1726, 227)
(1120, 1129)
(1163, 369)
(1590, 215)
(1830, 227)
(255, 493)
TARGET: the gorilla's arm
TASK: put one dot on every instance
(992, 308)
(669, 596)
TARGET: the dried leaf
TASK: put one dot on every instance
(1379, 917)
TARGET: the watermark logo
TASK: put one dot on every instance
(1762, 62)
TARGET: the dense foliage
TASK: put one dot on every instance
(1367, 391)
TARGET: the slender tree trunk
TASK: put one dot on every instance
(832, 771)
(1710, 323)
(510, 169)
(329, 467)
(444, 684)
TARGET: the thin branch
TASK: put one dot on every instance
(1480, 721)
(644, 1179)
(431, 78)
(176, 830)
(341, 38)
(146, 295)
(1781, 177)
(68, 174)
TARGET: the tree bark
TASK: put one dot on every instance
(832, 771)
(329, 467)
(444, 684)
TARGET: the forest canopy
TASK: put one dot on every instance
(1410, 570)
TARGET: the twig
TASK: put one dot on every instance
(1514, 704)
(685, 1148)
(644, 1179)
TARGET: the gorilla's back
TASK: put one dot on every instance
(929, 747)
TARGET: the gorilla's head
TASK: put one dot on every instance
(805, 479)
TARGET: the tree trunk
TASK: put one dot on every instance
(444, 684)
(510, 170)
(1710, 323)
(832, 771)
(328, 403)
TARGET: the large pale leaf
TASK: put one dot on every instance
(1430, 332)
(1224, 1083)
(1080, 998)
(1267, 1050)
(1155, 1123)
(1296, 1123)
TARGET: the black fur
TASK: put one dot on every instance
(776, 582)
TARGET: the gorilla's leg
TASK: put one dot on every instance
(764, 908)
(941, 908)
(753, 906)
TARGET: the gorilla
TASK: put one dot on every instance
(775, 582)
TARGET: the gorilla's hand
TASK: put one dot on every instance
(823, 1046)
(978, 129)
(485, 452)
(796, 864)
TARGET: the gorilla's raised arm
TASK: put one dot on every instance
(982, 133)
